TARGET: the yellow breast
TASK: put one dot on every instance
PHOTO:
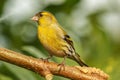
(50, 40)
(47, 36)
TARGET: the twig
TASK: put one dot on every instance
(48, 69)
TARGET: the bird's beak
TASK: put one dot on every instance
(35, 18)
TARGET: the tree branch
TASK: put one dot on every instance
(48, 69)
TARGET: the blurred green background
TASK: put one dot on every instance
(94, 26)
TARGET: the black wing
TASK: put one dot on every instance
(68, 40)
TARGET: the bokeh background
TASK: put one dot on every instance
(94, 26)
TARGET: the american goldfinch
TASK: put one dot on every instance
(54, 39)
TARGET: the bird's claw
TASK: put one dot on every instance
(61, 66)
(45, 60)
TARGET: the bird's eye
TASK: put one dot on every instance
(67, 36)
(41, 15)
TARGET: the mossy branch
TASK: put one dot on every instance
(48, 69)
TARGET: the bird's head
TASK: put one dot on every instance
(44, 18)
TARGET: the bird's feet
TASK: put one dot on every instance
(61, 66)
(46, 60)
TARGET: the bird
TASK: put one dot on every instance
(54, 38)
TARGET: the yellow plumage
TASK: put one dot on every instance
(54, 38)
(51, 38)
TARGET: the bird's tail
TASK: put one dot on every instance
(76, 57)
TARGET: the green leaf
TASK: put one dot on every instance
(4, 77)
(33, 51)
(21, 73)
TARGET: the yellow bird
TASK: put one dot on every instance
(54, 39)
